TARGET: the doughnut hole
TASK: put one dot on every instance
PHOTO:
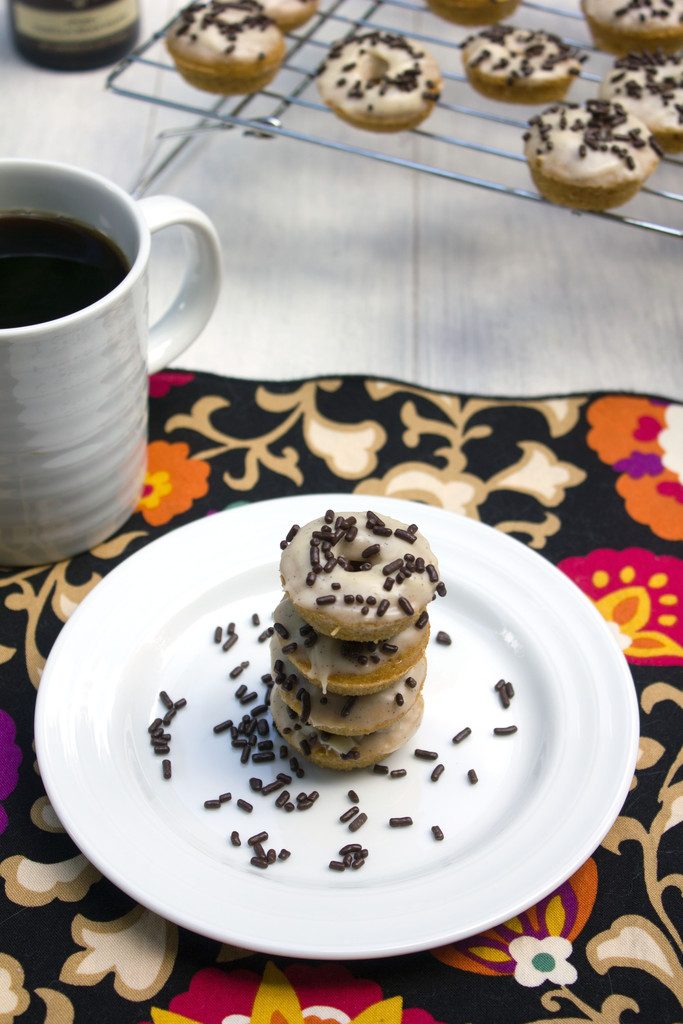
(376, 68)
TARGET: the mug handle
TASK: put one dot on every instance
(195, 302)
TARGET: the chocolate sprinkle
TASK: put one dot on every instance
(230, 642)
(304, 698)
(348, 707)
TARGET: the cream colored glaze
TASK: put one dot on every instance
(596, 168)
(512, 49)
(295, 565)
(378, 61)
(208, 44)
(286, 11)
(656, 110)
(373, 747)
(637, 15)
(367, 714)
(327, 657)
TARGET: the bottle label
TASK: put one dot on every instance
(84, 25)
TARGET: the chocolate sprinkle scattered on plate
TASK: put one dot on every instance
(426, 755)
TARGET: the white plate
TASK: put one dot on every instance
(546, 795)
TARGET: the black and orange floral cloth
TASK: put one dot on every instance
(592, 482)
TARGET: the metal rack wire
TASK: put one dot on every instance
(290, 108)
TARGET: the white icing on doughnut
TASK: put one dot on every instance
(218, 31)
(380, 76)
(289, 13)
(598, 144)
(355, 716)
(636, 14)
(407, 594)
(650, 86)
(510, 54)
(371, 748)
(328, 657)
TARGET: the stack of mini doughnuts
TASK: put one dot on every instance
(348, 648)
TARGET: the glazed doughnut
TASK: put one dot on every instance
(589, 157)
(520, 65)
(348, 716)
(342, 753)
(359, 577)
(623, 26)
(650, 85)
(289, 14)
(379, 81)
(225, 47)
(345, 666)
(473, 12)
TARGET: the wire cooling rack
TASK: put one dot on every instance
(467, 139)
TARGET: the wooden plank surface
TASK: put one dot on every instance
(336, 264)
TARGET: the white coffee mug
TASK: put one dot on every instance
(73, 391)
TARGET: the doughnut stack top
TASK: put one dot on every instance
(350, 636)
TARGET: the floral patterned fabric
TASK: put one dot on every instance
(592, 482)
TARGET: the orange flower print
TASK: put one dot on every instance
(534, 946)
(640, 596)
(173, 482)
(642, 440)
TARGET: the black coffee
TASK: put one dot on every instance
(51, 266)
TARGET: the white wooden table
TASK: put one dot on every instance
(339, 264)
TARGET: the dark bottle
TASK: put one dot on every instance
(74, 35)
